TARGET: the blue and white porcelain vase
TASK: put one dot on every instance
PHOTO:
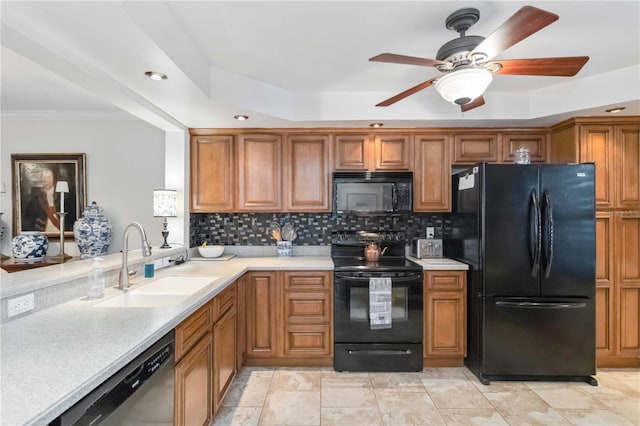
(92, 232)
(30, 246)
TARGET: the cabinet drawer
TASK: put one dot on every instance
(308, 341)
(223, 301)
(192, 329)
(313, 280)
(445, 280)
(307, 307)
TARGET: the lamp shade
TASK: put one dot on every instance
(462, 86)
(62, 186)
(165, 202)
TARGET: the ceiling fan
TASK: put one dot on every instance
(467, 62)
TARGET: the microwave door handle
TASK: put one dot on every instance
(394, 195)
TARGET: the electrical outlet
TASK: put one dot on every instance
(157, 264)
(431, 232)
(19, 305)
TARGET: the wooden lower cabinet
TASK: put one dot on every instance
(262, 311)
(241, 321)
(205, 359)
(224, 355)
(618, 288)
(289, 318)
(445, 313)
(193, 390)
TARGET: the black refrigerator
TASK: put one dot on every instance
(527, 232)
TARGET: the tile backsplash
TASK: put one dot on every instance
(313, 228)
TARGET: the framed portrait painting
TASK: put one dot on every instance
(35, 199)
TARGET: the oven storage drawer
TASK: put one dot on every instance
(377, 357)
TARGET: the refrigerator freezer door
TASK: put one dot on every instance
(568, 230)
(509, 229)
(539, 337)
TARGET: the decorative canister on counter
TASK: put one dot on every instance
(92, 232)
(285, 248)
(29, 246)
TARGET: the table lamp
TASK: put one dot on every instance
(63, 188)
(165, 204)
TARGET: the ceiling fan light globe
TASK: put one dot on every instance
(463, 86)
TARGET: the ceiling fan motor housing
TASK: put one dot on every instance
(458, 49)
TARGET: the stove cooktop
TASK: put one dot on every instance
(359, 264)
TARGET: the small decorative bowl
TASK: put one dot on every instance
(29, 246)
(211, 251)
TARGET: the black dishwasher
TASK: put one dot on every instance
(140, 393)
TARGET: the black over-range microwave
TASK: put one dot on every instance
(372, 192)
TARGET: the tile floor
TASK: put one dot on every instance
(435, 396)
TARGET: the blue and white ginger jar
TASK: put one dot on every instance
(92, 232)
(29, 245)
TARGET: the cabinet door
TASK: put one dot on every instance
(627, 237)
(431, 174)
(241, 321)
(605, 341)
(596, 144)
(193, 375)
(308, 178)
(393, 152)
(627, 167)
(259, 172)
(536, 143)
(224, 355)
(212, 173)
(263, 320)
(445, 322)
(352, 152)
(468, 149)
(191, 330)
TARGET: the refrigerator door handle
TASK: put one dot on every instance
(540, 305)
(548, 213)
(534, 234)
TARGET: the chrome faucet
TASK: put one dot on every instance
(123, 283)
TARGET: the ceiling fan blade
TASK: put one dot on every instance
(477, 102)
(408, 92)
(402, 59)
(521, 25)
(559, 67)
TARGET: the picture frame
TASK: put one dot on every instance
(35, 201)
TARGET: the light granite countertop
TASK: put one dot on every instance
(52, 358)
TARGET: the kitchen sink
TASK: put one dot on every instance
(165, 291)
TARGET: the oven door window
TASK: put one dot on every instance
(351, 312)
(364, 197)
(359, 304)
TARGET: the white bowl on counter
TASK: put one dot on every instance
(211, 251)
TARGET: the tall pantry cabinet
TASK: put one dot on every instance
(613, 144)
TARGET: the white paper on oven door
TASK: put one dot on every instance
(379, 303)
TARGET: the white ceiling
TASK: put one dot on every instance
(299, 63)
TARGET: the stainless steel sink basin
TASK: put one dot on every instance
(165, 291)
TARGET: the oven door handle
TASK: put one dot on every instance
(379, 351)
(394, 280)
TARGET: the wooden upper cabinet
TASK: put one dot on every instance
(535, 142)
(212, 173)
(366, 152)
(259, 172)
(596, 144)
(431, 173)
(627, 166)
(307, 180)
(471, 148)
(352, 152)
(392, 152)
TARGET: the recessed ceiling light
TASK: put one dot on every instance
(615, 110)
(376, 125)
(154, 75)
(241, 117)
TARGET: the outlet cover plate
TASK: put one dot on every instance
(20, 305)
